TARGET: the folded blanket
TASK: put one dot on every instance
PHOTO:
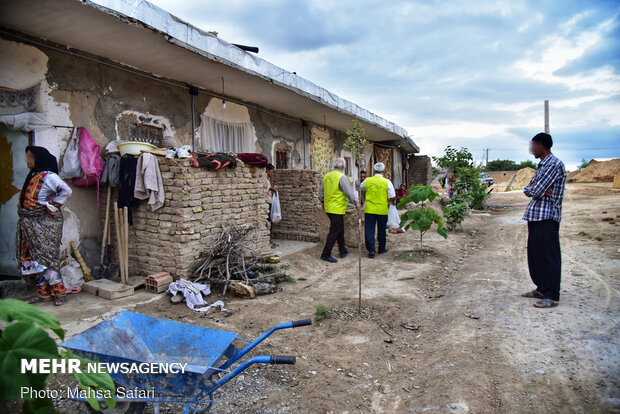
(255, 159)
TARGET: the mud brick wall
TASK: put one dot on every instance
(199, 203)
(299, 201)
(420, 170)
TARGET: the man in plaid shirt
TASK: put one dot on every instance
(543, 215)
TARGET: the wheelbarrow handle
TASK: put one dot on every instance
(274, 359)
(283, 359)
(261, 338)
(303, 322)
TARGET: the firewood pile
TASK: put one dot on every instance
(229, 261)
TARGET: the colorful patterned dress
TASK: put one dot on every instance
(39, 231)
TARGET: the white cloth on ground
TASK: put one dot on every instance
(149, 183)
(193, 292)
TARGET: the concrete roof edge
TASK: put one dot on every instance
(183, 34)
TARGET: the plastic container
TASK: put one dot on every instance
(134, 147)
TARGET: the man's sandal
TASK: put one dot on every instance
(39, 299)
(546, 303)
(533, 294)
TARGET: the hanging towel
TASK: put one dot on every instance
(193, 292)
(111, 170)
(148, 181)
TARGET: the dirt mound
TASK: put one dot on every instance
(617, 180)
(511, 181)
(521, 179)
(601, 172)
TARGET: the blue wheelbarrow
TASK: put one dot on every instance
(130, 340)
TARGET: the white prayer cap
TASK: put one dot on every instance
(340, 163)
(379, 167)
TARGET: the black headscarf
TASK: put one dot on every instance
(43, 161)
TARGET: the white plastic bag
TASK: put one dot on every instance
(276, 213)
(393, 218)
(71, 167)
(72, 275)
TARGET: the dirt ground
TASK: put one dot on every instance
(445, 334)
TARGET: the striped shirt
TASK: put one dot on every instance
(550, 174)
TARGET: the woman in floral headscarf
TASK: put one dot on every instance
(39, 226)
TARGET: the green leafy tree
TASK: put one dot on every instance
(467, 185)
(23, 336)
(583, 164)
(501, 165)
(355, 141)
(423, 217)
(527, 164)
(454, 159)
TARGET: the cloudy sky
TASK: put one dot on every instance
(462, 73)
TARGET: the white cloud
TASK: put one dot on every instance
(557, 51)
(458, 73)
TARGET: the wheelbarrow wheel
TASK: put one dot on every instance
(122, 407)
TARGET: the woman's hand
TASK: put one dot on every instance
(52, 210)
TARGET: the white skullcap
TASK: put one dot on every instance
(379, 167)
(340, 163)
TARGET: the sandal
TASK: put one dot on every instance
(75, 289)
(546, 303)
(533, 294)
(39, 299)
(60, 300)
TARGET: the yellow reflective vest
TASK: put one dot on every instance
(334, 200)
(376, 195)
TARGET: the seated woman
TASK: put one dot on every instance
(39, 226)
(401, 192)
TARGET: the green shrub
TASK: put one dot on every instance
(321, 313)
(467, 185)
(455, 214)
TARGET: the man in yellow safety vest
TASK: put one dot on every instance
(379, 192)
(335, 191)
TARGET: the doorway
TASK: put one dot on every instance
(13, 172)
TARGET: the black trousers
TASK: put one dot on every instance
(336, 234)
(380, 221)
(544, 257)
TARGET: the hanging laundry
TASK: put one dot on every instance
(111, 170)
(148, 181)
(126, 183)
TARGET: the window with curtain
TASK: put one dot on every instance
(225, 136)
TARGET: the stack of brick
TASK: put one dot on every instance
(299, 201)
(199, 204)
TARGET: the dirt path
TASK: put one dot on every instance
(422, 350)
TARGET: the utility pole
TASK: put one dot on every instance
(486, 150)
(546, 116)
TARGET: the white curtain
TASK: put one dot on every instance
(225, 136)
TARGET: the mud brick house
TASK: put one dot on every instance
(128, 70)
